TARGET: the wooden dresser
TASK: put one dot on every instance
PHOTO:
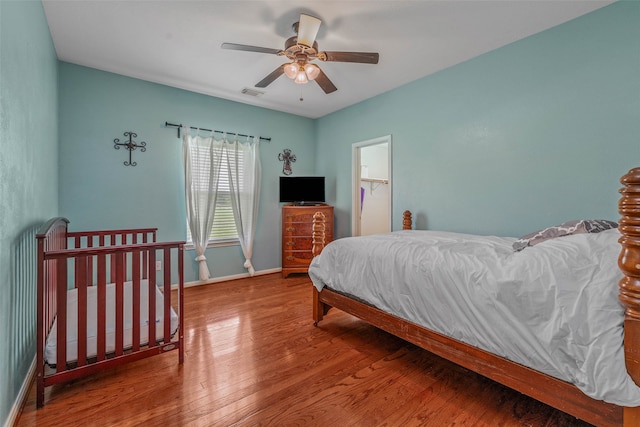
(297, 225)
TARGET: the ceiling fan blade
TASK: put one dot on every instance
(271, 77)
(247, 48)
(324, 82)
(308, 29)
(361, 57)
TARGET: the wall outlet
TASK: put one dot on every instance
(158, 265)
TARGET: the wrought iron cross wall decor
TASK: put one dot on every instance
(287, 157)
(131, 145)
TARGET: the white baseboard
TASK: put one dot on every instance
(232, 277)
(22, 396)
(226, 278)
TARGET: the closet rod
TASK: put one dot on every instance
(167, 124)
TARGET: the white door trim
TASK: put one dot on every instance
(355, 180)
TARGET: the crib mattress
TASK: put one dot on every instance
(92, 317)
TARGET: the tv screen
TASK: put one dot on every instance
(302, 189)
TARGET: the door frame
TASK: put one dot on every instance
(356, 184)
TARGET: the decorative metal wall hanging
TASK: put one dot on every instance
(131, 145)
(287, 157)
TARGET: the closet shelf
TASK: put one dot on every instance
(377, 180)
(374, 183)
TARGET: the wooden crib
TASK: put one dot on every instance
(99, 294)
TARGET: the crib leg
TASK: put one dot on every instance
(39, 390)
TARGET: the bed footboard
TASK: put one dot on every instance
(104, 298)
(320, 308)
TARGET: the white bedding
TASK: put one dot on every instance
(553, 307)
(72, 321)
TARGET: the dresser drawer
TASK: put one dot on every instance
(297, 229)
(297, 244)
(293, 258)
(305, 230)
(306, 216)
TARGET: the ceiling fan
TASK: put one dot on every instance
(301, 50)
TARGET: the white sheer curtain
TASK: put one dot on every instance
(205, 159)
(243, 161)
(201, 190)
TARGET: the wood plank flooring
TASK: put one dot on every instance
(254, 358)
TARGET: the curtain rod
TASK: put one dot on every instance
(167, 124)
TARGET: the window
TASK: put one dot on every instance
(224, 227)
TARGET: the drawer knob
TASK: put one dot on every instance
(290, 258)
(290, 229)
(290, 244)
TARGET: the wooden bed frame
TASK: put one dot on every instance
(554, 392)
(95, 258)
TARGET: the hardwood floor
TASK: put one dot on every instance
(253, 357)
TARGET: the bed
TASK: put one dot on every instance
(104, 298)
(483, 313)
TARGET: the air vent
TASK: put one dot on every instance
(252, 92)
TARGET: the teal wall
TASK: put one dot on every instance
(526, 136)
(98, 192)
(28, 179)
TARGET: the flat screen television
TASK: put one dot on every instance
(302, 189)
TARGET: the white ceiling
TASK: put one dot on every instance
(177, 42)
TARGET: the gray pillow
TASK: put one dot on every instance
(578, 226)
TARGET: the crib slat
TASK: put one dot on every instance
(81, 285)
(167, 295)
(112, 271)
(120, 266)
(101, 307)
(49, 294)
(61, 325)
(145, 259)
(90, 262)
(152, 299)
(135, 336)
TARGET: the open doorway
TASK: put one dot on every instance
(371, 188)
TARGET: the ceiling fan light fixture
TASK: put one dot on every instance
(300, 50)
(308, 29)
(291, 70)
(312, 71)
(301, 77)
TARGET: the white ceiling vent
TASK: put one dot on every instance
(252, 92)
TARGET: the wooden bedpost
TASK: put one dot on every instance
(629, 263)
(406, 220)
(318, 241)
(317, 234)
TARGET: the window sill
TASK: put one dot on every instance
(189, 246)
